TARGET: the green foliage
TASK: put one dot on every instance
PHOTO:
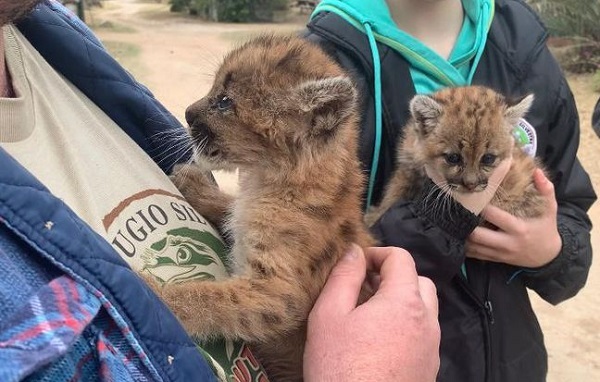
(579, 18)
(179, 5)
(200, 7)
(579, 21)
(231, 10)
(263, 10)
(596, 81)
(237, 11)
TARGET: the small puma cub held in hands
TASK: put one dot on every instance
(463, 133)
(283, 113)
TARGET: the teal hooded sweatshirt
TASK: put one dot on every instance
(430, 72)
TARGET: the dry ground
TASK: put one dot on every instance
(175, 55)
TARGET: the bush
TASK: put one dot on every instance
(596, 82)
(578, 20)
(231, 10)
(237, 11)
(200, 8)
(179, 5)
(581, 56)
(264, 10)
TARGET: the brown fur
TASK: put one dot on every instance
(470, 121)
(291, 129)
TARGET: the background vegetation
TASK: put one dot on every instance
(574, 25)
(575, 29)
(232, 10)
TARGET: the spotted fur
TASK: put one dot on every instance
(464, 133)
(284, 113)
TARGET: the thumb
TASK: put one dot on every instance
(542, 183)
(340, 293)
(499, 173)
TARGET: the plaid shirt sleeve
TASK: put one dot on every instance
(63, 333)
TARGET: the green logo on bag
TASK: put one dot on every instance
(184, 255)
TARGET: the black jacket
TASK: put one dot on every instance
(596, 118)
(489, 330)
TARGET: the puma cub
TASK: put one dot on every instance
(464, 133)
(283, 113)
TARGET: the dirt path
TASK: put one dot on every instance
(175, 56)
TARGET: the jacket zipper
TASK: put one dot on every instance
(488, 310)
(490, 313)
(486, 305)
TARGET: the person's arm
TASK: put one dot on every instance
(438, 255)
(567, 273)
(552, 253)
(394, 336)
(596, 118)
(435, 239)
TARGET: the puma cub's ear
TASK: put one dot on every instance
(517, 109)
(329, 100)
(426, 112)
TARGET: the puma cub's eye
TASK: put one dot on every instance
(224, 103)
(488, 159)
(453, 159)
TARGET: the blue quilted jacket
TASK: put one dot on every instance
(73, 308)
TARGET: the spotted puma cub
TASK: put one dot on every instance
(464, 133)
(283, 113)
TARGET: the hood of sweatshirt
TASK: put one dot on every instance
(429, 71)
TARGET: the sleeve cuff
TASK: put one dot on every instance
(444, 212)
(554, 267)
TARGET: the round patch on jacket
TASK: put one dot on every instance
(526, 137)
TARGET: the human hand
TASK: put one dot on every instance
(474, 201)
(394, 336)
(527, 243)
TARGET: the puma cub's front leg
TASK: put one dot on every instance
(202, 193)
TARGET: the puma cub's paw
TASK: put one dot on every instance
(201, 192)
(192, 180)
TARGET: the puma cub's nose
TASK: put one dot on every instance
(190, 115)
(195, 110)
(475, 186)
(470, 185)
